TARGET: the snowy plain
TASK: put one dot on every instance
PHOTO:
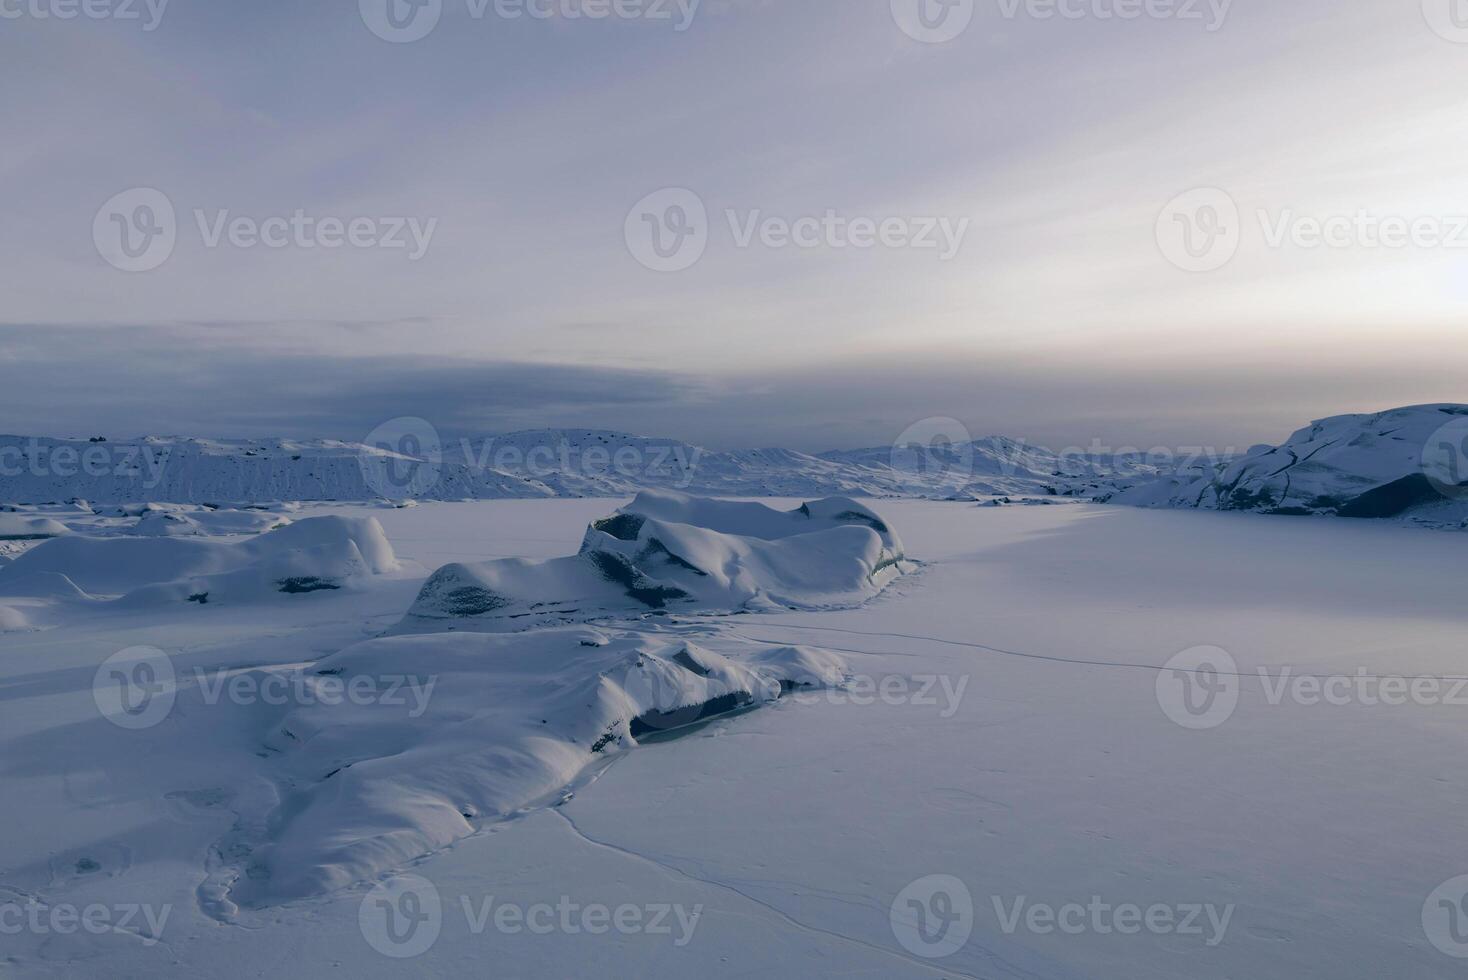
(1014, 737)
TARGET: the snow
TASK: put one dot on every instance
(16, 527)
(1038, 765)
(492, 724)
(1407, 463)
(669, 551)
(316, 554)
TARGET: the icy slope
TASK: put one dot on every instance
(668, 551)
(1407, 463)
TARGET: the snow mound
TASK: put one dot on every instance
(17, 527)
(1406, 463)
(12, 620)
(668, 551)
(323, 553)
(453, 729)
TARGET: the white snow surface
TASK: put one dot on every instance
(1029, 759)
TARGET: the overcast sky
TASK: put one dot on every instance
(518, 161)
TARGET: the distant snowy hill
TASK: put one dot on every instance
(1401, 464)
(538, 463)
(1408, 464)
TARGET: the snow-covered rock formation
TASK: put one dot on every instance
(1406, 463)
(478, 727)
(668, 551)
(318, 554)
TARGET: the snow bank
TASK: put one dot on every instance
(18, 527)
(322, 553)
(669, 551)
(460, 728)
(1369, 466)
(12, 620)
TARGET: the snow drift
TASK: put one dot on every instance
(671, 552)
(1407, 463)
(17, 527)
(323, 553)
(466, 728)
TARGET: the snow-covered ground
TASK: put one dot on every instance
(1053, 756)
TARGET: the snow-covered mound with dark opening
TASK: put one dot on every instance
(668, 551)
(1406, 463)
(450, 731)
(319, 554)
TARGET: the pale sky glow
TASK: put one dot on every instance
(527, 142)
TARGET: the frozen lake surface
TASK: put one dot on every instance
(1013, 770)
